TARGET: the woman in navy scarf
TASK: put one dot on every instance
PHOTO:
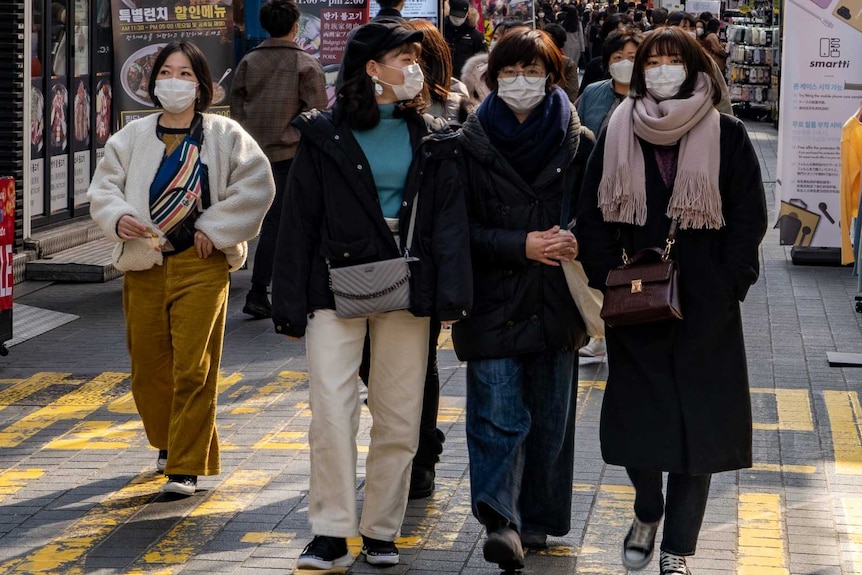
(526, 156)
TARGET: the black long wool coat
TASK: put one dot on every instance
(677, 396)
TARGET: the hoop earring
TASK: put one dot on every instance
(378, 87)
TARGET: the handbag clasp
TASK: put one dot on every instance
(637, 286)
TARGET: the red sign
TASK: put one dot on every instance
(7, 239)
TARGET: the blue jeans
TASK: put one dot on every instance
(521, 439)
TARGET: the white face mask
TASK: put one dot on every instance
(457, 22)
(621, 71)
(414, 79)
(664, 81)
(176, 95)
(491, 46)
(521, 94)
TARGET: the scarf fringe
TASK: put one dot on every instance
(695, 202)
(616, 200)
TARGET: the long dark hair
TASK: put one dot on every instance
(436, 60)
(356, 97)
(199, 66)
(670, 41)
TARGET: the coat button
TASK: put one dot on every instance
(463, 313)
(359, 167)
(278, 328)
(347, 254)
(559, 170)
(510, 324)
(404, 203)
(534, 318)
(337, 137)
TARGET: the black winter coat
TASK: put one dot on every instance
(677, 395)
(332, 210)
(521, 306)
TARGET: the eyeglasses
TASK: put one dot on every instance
(531, 77)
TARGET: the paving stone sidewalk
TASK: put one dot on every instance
(79, 492)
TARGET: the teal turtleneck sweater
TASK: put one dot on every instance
(389, 153)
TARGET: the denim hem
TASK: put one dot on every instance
(680, 553)
(547, 530)
(496, 507)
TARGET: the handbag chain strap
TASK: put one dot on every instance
(669, 242)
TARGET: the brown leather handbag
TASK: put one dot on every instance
(645, 288)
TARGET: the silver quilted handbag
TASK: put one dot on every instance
(376, 287)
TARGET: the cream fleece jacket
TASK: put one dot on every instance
(240, 179)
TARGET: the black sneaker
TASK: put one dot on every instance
(421, 482)
(325, 553)
(503, 547)
(379, 552)
(257, 305)
(639, 545)
(181, 484)
(162, 460)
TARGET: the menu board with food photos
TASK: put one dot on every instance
(143, 27)
(57, 133)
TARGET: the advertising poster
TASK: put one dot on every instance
(413, 9)
(7, 239)
(58, 144)
(37, 148)
(81, 138)
(820, 67)
(103, 110)
(143, 27)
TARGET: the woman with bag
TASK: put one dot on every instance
(373, 238)
(525, 148)
(181, 192)
(677, 397)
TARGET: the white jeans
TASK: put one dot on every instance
(399, 357)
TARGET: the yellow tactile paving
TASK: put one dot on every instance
(62, 554)
(100, 435)
(844, 411)
(761, 541)
(852, 524)
(444, 341)
(126, 403)
(266, 394)
(613, 512)
(784, 468)
(13, 480)
(23, 388)
(77, 404)
(794, 410)
(190, 535)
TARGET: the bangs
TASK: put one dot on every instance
(664, 44)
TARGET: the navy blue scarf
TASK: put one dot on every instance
(527, 145)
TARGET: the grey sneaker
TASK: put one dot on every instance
(181, 484)
(503, 547)
(639, 544)
(595, 348)
(671, 564)
(162, 460)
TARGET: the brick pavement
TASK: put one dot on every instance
(78, 492)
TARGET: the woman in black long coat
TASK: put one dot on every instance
(677, 397)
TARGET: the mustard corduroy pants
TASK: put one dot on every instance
(175, 318)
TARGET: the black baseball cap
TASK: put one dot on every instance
(373, 38)
(458, 8)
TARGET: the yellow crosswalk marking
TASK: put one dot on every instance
(21, 389)
(844, 411)
(784, 468)
(270, 392)
(126, 403)
(613, 512)
(451, 414)
(794, 410)
(189, 536)
(62, 554)
(852, 525)
(14, 480)
(761, 547)
(77, 404)
(99, 435)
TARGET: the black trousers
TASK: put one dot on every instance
(686, 504)
(261, 274)
(430, 440)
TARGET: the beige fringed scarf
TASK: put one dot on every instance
(694, 123)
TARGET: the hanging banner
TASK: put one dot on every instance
(143, 27)
(821, 63)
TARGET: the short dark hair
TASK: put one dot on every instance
(557, 33)
(713, 26)
(278, 17)
(659, 16)
(705, 16)
(616, 42)
(200, 68)
(525, 47)
(356, 96)
(612, 22)
(671, 41)
(676, 18)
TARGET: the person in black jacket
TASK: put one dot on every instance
(463, 38)
(359, 170)
(677, 397)
(525, 149)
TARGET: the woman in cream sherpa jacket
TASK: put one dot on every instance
(175, 297)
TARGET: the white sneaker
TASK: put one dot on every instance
(671, 564)
(595, 348)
